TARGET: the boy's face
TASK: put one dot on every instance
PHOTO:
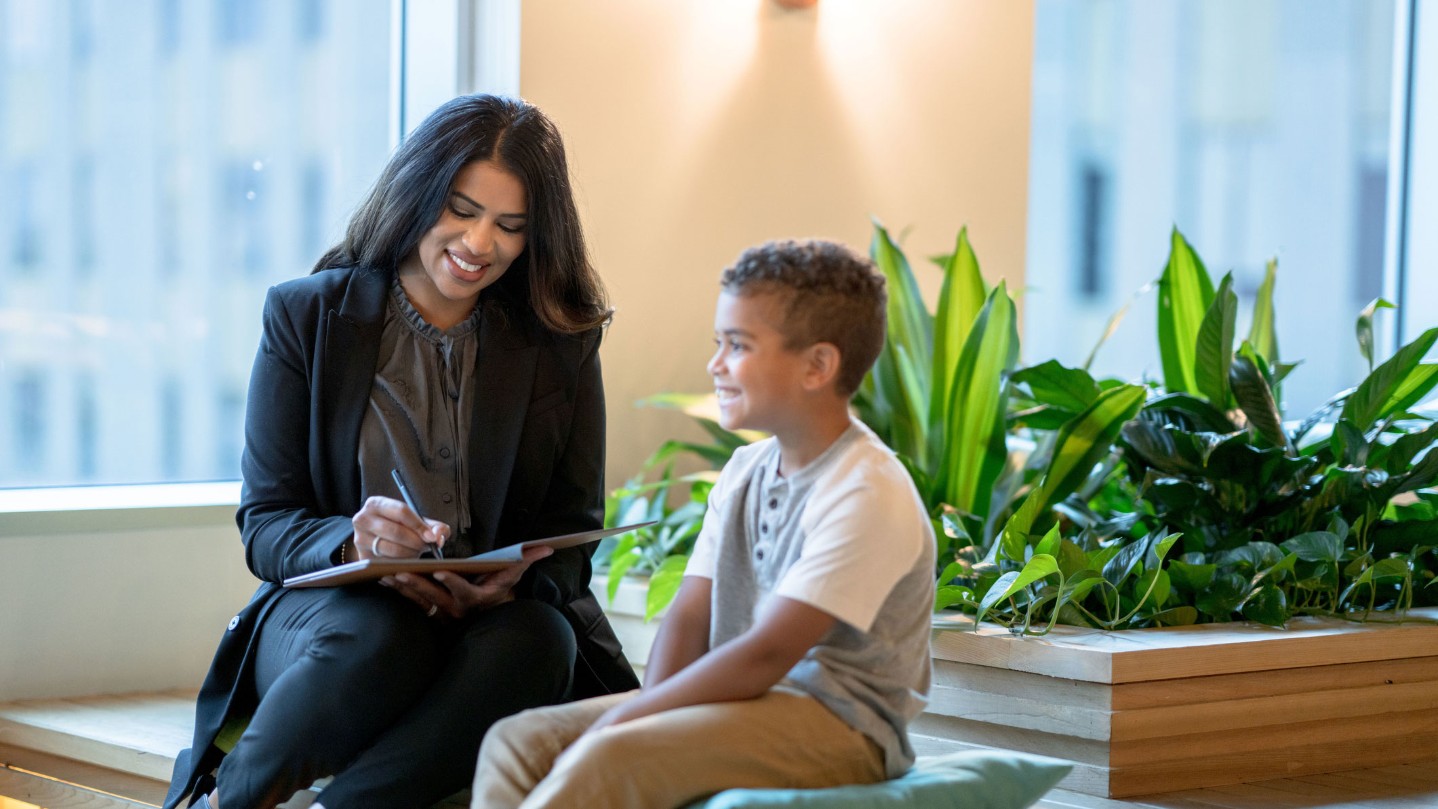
(758, 381)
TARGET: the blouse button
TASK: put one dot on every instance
(447, 497)
(444, 452)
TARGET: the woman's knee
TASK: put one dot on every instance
(372, 633)
(531, 630)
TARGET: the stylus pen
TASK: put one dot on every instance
(409, 501)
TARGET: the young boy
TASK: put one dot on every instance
(797, 648)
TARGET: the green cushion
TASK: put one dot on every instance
(972, 779)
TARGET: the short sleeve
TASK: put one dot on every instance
(865, 530)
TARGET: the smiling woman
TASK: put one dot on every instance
(450, 340)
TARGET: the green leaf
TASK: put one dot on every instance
(1263, 332)
(1191, 577)
(1040, 566)
(1266, 605)
(1255, 398)
(1051, 542)
(1084, 441)
(621, 559)
(1223, 597)
(951, 594)
(1316, 546)
(1213, 352)
(1053, 384)
(1401, 453)
(1396, 385)
(663, 585)
(960, 299)
(974, 451)
(1348, 445)
(1185, 293)
(1177, 616)
(1364, 327)
(901, 386)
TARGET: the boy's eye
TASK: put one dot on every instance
(735, 345)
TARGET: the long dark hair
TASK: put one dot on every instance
(563, 288)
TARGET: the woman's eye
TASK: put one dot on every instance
(459, 213)
(512, 228)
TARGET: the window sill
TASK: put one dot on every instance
(108, 509)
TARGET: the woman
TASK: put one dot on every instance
(453, 336)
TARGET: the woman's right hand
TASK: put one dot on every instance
(386, 528)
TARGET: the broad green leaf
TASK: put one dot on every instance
(621, 559)
(951, 594)
(1185, 292)
(1223, 597)
(1125, 562)
(1053, 384)
(901, 374)
(1191, 577)
(1263, 332)
(1316, 546)
(1364, 327)
(1177, 616)
(1072, 559)
(1348, 445)
(663, 585)
(1398, 384)
(1402, 452)
(1266, 605)
(1040, 566)
(1213, 352)
(1051, 542)
(960, 299)
(1153, 587)
(1083, 442)
(974, 451)
(1255, 398)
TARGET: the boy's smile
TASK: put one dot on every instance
(757, 380)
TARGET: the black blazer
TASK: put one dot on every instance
(537, 444)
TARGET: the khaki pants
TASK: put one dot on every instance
(669, 759)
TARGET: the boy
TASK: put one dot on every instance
(797, 648)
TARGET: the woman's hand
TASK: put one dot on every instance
(386, 528)
(453, 595)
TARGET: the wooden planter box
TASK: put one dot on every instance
(1159, 710)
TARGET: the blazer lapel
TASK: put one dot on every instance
(504, 377)
(347, 368)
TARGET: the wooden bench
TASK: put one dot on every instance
(102, 752)
(117, 751)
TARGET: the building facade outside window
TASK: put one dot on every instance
(1259, 128)
(165, 166)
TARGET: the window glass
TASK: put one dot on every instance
(1258, 127)
(165, 166)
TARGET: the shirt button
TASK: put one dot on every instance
(444, 452)
(447, 497)
(773, 502)
(234, 623)
(763, 527)
(759, 554)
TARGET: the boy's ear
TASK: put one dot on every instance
(823, 367)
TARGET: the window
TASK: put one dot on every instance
(156, 185)
(1258, 128)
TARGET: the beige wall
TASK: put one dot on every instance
(699, 127)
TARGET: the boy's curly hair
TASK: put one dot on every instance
(829, 294)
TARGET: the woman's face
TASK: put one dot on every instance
(479, 233)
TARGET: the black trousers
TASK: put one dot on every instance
(357, 683)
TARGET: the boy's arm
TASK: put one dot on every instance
(743, 668)
(683, 636)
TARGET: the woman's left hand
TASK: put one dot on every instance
(453, 595)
